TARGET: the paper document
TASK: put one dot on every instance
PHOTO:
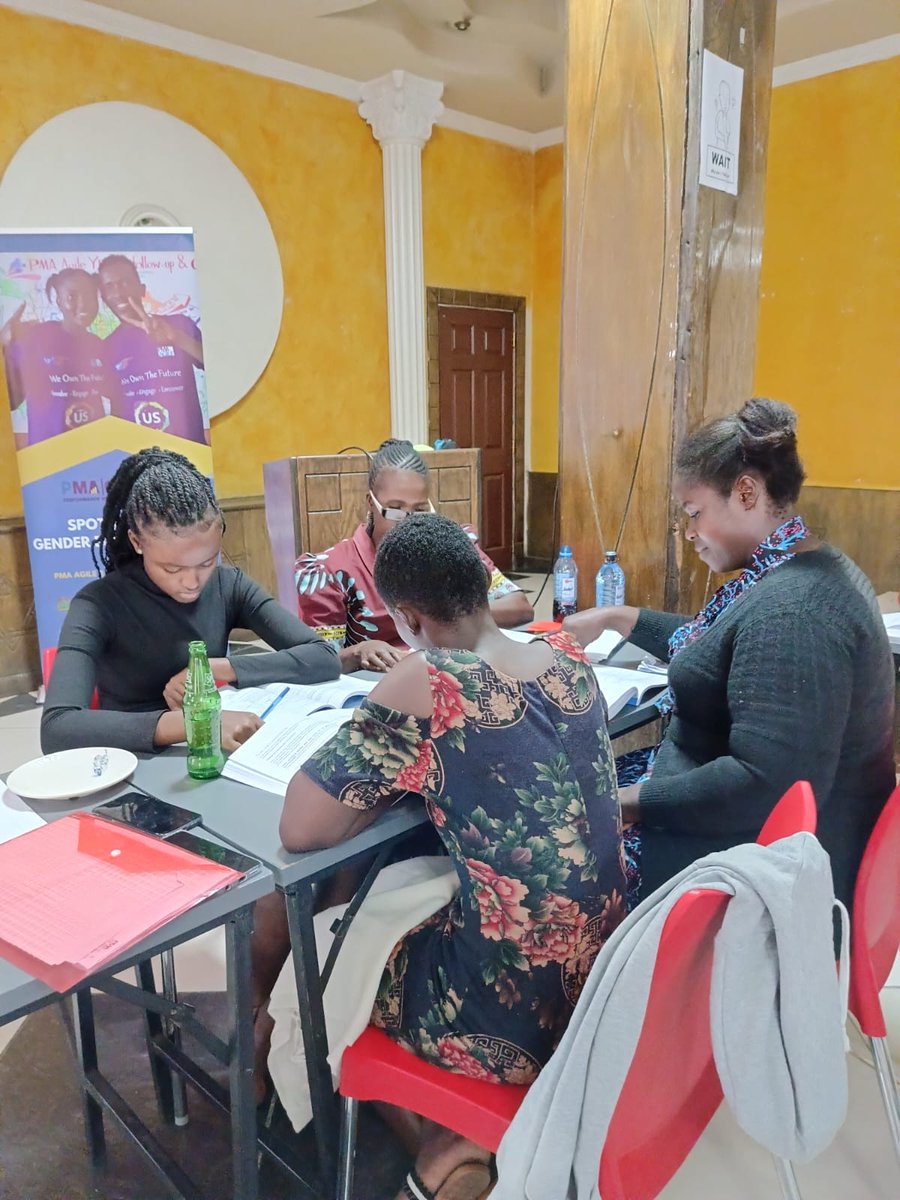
(76, 893)
(270, 758)
(621, 687)
(301, 699)
(16, 817)
(892, 626)
(602, 647)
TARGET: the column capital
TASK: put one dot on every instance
(401, 108)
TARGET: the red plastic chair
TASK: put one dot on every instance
(874, 941)
(47, 661)
(672, 1088)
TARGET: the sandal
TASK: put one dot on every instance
(471, 1180)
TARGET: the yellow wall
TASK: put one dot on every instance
(316, 168)
(829, 328)
(548, 226)
(477, 214)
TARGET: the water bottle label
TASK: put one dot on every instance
(567, 589)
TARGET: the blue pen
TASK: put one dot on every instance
(281, 695)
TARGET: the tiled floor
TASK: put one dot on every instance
(725, 1165)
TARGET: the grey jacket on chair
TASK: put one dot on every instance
(777, 1020)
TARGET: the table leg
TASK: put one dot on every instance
(86, 1050)
(153, 1025)
(170, 991)
(299, 900)
(240, 1067)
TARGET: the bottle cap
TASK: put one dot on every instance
(611, 555)
(565, 552)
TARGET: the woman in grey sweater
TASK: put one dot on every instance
(786, 674)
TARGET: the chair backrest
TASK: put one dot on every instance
(315, 500)
(794, 812)
(875, 927)
(672, 1089)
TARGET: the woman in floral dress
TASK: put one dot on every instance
(507, 745)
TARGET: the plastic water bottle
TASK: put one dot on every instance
(565, 584)
(610, 585)
(202, 708)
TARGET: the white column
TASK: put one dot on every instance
(401, 108)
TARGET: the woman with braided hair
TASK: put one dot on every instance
(161, 587)
(336, 589)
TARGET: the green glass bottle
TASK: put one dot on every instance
(202, 707)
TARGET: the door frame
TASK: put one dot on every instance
(436, 298)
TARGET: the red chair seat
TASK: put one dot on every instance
(672, 1089)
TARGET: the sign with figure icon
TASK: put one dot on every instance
(721, 90)
(103, 356)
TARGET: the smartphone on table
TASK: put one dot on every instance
(148, 814)
(224, 855)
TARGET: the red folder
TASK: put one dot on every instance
(544, 627)
(78, 892)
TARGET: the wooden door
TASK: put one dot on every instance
(475, 364)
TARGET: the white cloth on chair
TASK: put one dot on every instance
(404, 894)
(777, 1013)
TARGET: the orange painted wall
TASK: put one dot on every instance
(829, 330)
(317, 171)
(316, 168)
(477, 214)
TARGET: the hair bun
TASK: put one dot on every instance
(766, 424)
(404, 442)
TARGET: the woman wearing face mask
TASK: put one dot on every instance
(54, 370)
(162, 586)
(786, 674)
(336, 589)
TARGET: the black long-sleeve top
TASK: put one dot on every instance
(127, 638)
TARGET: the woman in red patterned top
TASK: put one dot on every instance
(336, 589)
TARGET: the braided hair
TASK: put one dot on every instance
(151, 487)
(395, 454)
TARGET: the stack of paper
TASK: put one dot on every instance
(621, 687)
(272, 756)
(892, 625)
(78, 892)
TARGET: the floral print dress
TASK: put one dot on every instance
(519, 781)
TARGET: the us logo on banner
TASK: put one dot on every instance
(103, 354)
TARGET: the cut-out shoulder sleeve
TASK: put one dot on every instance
(378, 754)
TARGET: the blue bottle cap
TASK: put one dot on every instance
(565, 552)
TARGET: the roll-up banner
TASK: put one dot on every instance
(103, 354)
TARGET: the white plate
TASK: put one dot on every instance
(71, 773)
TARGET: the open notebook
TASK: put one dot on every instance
(297, 725)
(621, 687)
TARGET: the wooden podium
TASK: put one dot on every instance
(315, 500)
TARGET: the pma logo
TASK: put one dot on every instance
(84, 489)
(62, 604)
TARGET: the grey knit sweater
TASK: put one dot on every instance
(793, 681)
